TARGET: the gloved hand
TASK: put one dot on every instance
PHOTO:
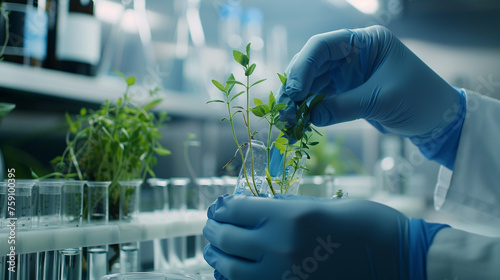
(293, 238)
(368, 73)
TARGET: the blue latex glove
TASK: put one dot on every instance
(303, 238)
(368, 73)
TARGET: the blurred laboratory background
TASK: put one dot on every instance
(179, 46)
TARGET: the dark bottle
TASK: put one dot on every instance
(25, 31)
(74, 37)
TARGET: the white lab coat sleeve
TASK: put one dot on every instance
(472, 190)
(457, 254)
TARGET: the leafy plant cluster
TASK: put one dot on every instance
(294, 138)
(118, 142)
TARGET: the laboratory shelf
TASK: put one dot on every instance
(40, 82)
(148, 226)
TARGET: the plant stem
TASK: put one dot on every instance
(250, 134)
(238, 145)
(268, 149)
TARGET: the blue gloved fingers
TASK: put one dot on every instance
(238, 210)
(322, 84)
(312, 57)
(233, 240)
(219, 276)
(228, 266)
(339, 108)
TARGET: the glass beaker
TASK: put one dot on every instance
(160, 208)
(129, 199)
(23, 211)
(252, 175)
(70, 259)
(49, 203)
(72, 203)
(177, 194)
(97, 214)
(160, 194)
(98, 202)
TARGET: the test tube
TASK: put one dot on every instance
(72, 213)
(129, 211)
(177, 190)
(208, 190)
(72, 203)
(160, 208)
(23, 210)
(49, 203)
(19, 214)
(97, 214)
(160, 194)
(49, 216)
(129, 199)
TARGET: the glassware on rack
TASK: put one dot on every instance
(49, 216)
(159, 193)
(129, 199)
(49, 203)
(97, 214)
(160, 209)
(177, 194)
(129, 211)
(72, 215)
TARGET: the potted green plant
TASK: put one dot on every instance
(118, 143)
(293, 141)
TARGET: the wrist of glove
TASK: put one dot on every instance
(299, 238)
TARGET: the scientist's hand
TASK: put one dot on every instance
(292, 238)
(369, 73)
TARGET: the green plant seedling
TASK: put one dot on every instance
(270, 112)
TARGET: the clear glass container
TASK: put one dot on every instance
(129, 199)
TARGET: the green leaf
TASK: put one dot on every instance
(161, 151)
(5, 108)
(236, 82)
(152, 104)
(282, 78)
(130, 81)
(216, 101)
(257, 102)
(258, 82)
(219, 85)
(317, 99)
(239, 107)
(260, 111)
(272, 100)
(236, 95)
(248, 50)
(229, 86)
(83, 112)
(250, 70)
(241, 58)
(280, 106)
(223, 119)
(313, 143)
